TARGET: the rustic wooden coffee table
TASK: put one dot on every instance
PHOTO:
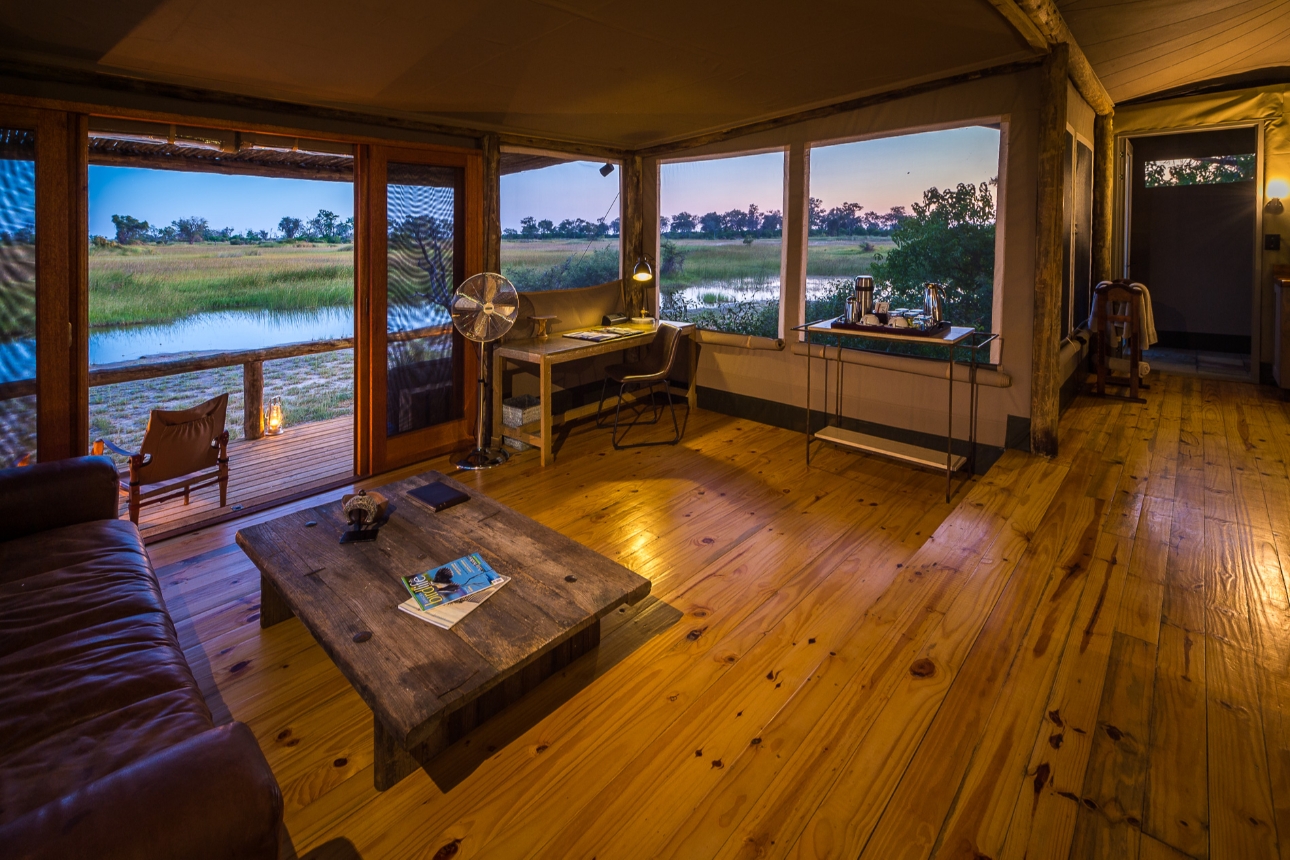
(426, 686)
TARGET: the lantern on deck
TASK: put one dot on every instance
(274, 420)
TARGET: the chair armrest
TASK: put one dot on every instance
(100, 444)
(212, 796)
(55, 494)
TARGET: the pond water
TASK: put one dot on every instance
(748, 290)
(224, 331)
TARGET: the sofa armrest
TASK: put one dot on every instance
(212, 796)
(55, 494)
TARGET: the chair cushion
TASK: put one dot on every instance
(181, 442)
(92, 676)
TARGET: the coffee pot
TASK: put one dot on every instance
(864, 296)
(934, 302)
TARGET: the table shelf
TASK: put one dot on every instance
(915, 454)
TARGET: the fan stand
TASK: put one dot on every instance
(482, 457)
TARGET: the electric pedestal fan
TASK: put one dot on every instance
(483, 309)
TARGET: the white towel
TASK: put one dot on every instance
(1121, 366)
(1146, 319)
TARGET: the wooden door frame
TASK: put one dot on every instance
(374, 451)
(62, 280)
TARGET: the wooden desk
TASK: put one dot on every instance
(427, 687)
(555, 349)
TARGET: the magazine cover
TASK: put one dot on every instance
(452, 581)
(445, 615)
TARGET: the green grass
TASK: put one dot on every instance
(163, 283)
(730, 261)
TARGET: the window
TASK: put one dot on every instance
(721, 231)
(559, 222)
(1208, 170)
(17, 294)
(907, 210)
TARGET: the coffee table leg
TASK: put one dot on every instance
(273, 609)
(390, 761)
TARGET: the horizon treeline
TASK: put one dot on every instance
(326, 227)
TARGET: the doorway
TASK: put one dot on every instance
(1193, 224)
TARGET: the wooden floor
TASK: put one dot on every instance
(304, 457)
(1082, 657)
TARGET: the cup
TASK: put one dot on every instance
(870, 319)
(899, 322)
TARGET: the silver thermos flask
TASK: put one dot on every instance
(864, 296)
(934, 302)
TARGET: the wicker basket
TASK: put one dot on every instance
(521, 410)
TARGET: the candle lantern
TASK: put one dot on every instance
(274, 420)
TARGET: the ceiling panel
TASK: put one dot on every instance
(606, 71)
(1139, 47)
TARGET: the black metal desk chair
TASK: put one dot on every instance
(650, 371)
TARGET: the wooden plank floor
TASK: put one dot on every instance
(1084, 657)
(303, 457)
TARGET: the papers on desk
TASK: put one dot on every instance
(601, 334)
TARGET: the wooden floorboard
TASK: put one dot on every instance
(1087, 656)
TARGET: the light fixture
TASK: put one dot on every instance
(274, 419)
(606, 170)
(1277, 188)
(642, 271)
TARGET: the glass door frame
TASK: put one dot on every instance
(375, 450)
(62, 279)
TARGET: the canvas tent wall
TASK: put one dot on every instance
(768, 379)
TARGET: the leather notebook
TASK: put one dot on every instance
(439, 495)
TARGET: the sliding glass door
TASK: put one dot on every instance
(422, 237)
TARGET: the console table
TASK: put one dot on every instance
(951, 341)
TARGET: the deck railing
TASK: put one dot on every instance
(252, 361)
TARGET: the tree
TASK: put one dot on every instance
(191, 229)
(949, 239)
(711, 223)
(772, 223)
(528, 227)
(545, 227)
(814, 213)
(683, 222)
(323, 226)
(290, 227)
(129, 229)
(662, 223)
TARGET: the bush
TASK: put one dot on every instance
(755, 317)
(583, 270)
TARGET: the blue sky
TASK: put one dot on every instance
(240, 202)
(878, 174)
(572, 190)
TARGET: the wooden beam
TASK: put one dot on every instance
(1046, 333)
(1047, 19)
(78, 283)
(1021, 23)
(1103, 195)
(632, 215)
(665, 149)
(228, 167)
(492, 153)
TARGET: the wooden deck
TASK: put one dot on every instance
(304, 458)
(1084, 657)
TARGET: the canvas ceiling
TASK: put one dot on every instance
(615, 72)
(1138, 47)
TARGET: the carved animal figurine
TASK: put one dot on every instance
(363, 510)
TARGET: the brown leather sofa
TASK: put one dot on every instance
(107, 749)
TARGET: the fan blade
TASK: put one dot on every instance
(490, 289)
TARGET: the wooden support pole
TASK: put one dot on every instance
(1046, 334)
(492, 148)
(253, 400)
(1103, 195)
(632, 215)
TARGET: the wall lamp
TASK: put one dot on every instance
(606, 169)
(1277, 188)
(642, 271)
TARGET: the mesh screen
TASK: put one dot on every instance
(423, 265)
(17, 294)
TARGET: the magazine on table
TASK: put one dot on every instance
(452, 581)
(445, 615)
(601, 334)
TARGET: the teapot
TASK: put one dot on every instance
(934, 302)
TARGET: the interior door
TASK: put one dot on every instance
(422, 236)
